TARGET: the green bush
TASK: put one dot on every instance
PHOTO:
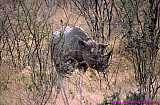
(134, 96)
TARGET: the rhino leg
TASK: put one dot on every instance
(70, 65)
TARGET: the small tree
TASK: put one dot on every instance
(140, 20)
(25, 36)
(98, 16)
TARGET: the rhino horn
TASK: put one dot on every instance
(108, 55)
(103, 45)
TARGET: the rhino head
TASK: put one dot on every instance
(95, 54)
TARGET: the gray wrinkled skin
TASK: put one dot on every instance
(72, 48)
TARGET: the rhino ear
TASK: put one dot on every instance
(82, 43)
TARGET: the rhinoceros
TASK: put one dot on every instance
(72, 48)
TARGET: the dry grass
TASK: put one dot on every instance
(80, 88)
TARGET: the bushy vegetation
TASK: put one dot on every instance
(26, 27)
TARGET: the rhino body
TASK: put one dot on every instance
(72, 48)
